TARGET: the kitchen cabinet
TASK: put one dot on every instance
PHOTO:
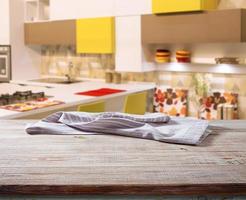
(51, 33)
(12, 33)
(36, 10)
(4, 22)
(222, 26)
(169, 6)
(128, 44)
(129, 56)
(66, 93)
(95, 35)
(90, 35)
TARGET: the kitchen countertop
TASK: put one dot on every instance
(106, 164)
(66, 93)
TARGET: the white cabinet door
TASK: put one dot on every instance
(132, 7)
(130, 56)
(4, 22)
(73, 9)
(128, 44)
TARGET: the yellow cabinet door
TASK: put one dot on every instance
(169, 6)
(95, 35)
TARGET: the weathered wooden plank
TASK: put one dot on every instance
(105, 164)
(227, 189)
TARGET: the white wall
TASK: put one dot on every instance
(72, 9)
(25, 60)
(4, 22)
(132, 7)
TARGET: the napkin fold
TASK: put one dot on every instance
(153, 126)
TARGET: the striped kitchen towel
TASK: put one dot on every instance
(154, 126)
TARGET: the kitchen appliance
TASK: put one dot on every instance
(20, 96)
(22, 101)
(5, 63)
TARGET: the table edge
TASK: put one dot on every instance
(182, 189)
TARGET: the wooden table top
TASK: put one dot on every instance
(104, 164)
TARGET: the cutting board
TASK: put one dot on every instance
(100, 92)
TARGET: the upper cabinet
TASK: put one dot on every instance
(170, 6)
(92, 35)
(129, 55)
(95, 35)
(221, 26)
(51, 33)
(37, 10)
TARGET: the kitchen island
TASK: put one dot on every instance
(115, 165)
(66, 94)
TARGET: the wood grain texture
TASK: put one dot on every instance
(104, 164)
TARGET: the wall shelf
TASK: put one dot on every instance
(36, 10)
(44, 9)
(191, 68)
(202, 68)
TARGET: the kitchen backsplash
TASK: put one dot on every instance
(218, 83)
(56, 59)
(55, 62)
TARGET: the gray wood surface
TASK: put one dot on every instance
(104, 164)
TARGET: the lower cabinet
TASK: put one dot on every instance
(113, 104)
